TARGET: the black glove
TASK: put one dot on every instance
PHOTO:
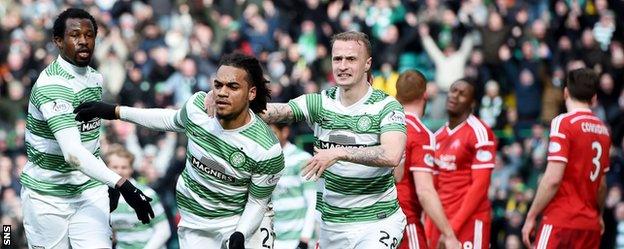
(236, 241)
(113, 195)
(138, 201)
(89, 110)
(302, 245)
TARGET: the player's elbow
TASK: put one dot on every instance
(394, 157)
(551, 183)
(71, 158)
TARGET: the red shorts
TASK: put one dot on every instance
(414, 237)
(550, 236)
(475, 234)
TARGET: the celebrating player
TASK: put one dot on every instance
(360, 138)
(65, 204)
(233, 160)
(465, 154)
(415, 176)
(572, 192)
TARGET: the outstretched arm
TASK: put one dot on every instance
(277, 113)
(154, 118)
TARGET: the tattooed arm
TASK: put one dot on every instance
(388, 154)
(277, 113)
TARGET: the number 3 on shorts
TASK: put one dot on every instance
(387, 241)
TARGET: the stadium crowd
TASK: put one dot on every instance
(157, 53)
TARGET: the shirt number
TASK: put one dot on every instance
(596, 161)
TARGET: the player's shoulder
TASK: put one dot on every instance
(482, 132)
(262, 136)
(563, 121)
(54, 71)
(329, 92)
(196, 100)
(416, 126)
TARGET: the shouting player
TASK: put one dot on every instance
(572, 192)
(465, 154)
(233, 161)
(65, 204)
(415, 186)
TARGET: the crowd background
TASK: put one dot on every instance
(156, 53)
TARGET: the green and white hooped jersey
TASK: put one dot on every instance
(223, 167)
(289, 203)
(350, 192)
(130, 233)
(60, 88)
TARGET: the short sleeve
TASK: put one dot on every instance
(265, 176)
(56, 105)
(559, 145)
(485, 148)
(392, 118)
(421, 151)
(306, 107)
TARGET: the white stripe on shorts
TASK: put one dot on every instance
(478, 234)
(412, 237)
(544, 236)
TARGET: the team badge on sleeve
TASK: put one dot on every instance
(554, 147)
(428, 160)
(397, 117)
(61, 106)
(484, 155)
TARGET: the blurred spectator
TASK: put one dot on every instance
(185, 82)
(491, 105)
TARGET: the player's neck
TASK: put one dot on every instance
(573, 105)
(416, 107)
(454, 121)
(237, 122)
(351, 94)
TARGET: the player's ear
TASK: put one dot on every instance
(369, 62)
(252, 93)
(58, 41)
(566, 93)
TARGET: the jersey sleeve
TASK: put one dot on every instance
(265, 176)
(181, 118)
(485, 148)
(306, 107)
(559, 145)
(56, 105)
(392, 117)
(420, 148)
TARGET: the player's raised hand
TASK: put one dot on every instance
(95, 109)
(527, 231)
(210, 105)
(138, 201)
(323, 158)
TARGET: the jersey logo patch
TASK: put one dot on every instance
(237, 159)
(484, 155)
(554, 147)
(364, 123)
(211, 167)
(61, 106)
(428, 160)
(397, 117)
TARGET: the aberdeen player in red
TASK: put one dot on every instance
(572, 191)
(465, 154)
(414, 177)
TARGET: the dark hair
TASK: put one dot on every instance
(411, 85)
(582, 84)
(353, 36)
(58, 30)
(255, 76)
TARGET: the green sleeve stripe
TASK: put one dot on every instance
(90, 94)
(62, 121)
(271, 166)
(48, 93)
(394, 127)
(198, 100)
(313, 101)
(297, 113)
(260, 192)
(390, 107)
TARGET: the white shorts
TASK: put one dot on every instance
(53, 222)
(385, 233)
(216, 237)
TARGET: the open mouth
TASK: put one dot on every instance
(83, 54)
(344, 75)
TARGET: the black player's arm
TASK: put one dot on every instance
(387, 154)
(277, 113)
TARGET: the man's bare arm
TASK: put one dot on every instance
(278, 113)
(388, 154)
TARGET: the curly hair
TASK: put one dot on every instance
(58, 30)
(255, 76)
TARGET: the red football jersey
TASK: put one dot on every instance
(418, 157)
(582, 141)
(469, 146)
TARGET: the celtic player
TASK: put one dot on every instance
(64, 201)
(360, 133)
(129, 233)
(233, 160)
